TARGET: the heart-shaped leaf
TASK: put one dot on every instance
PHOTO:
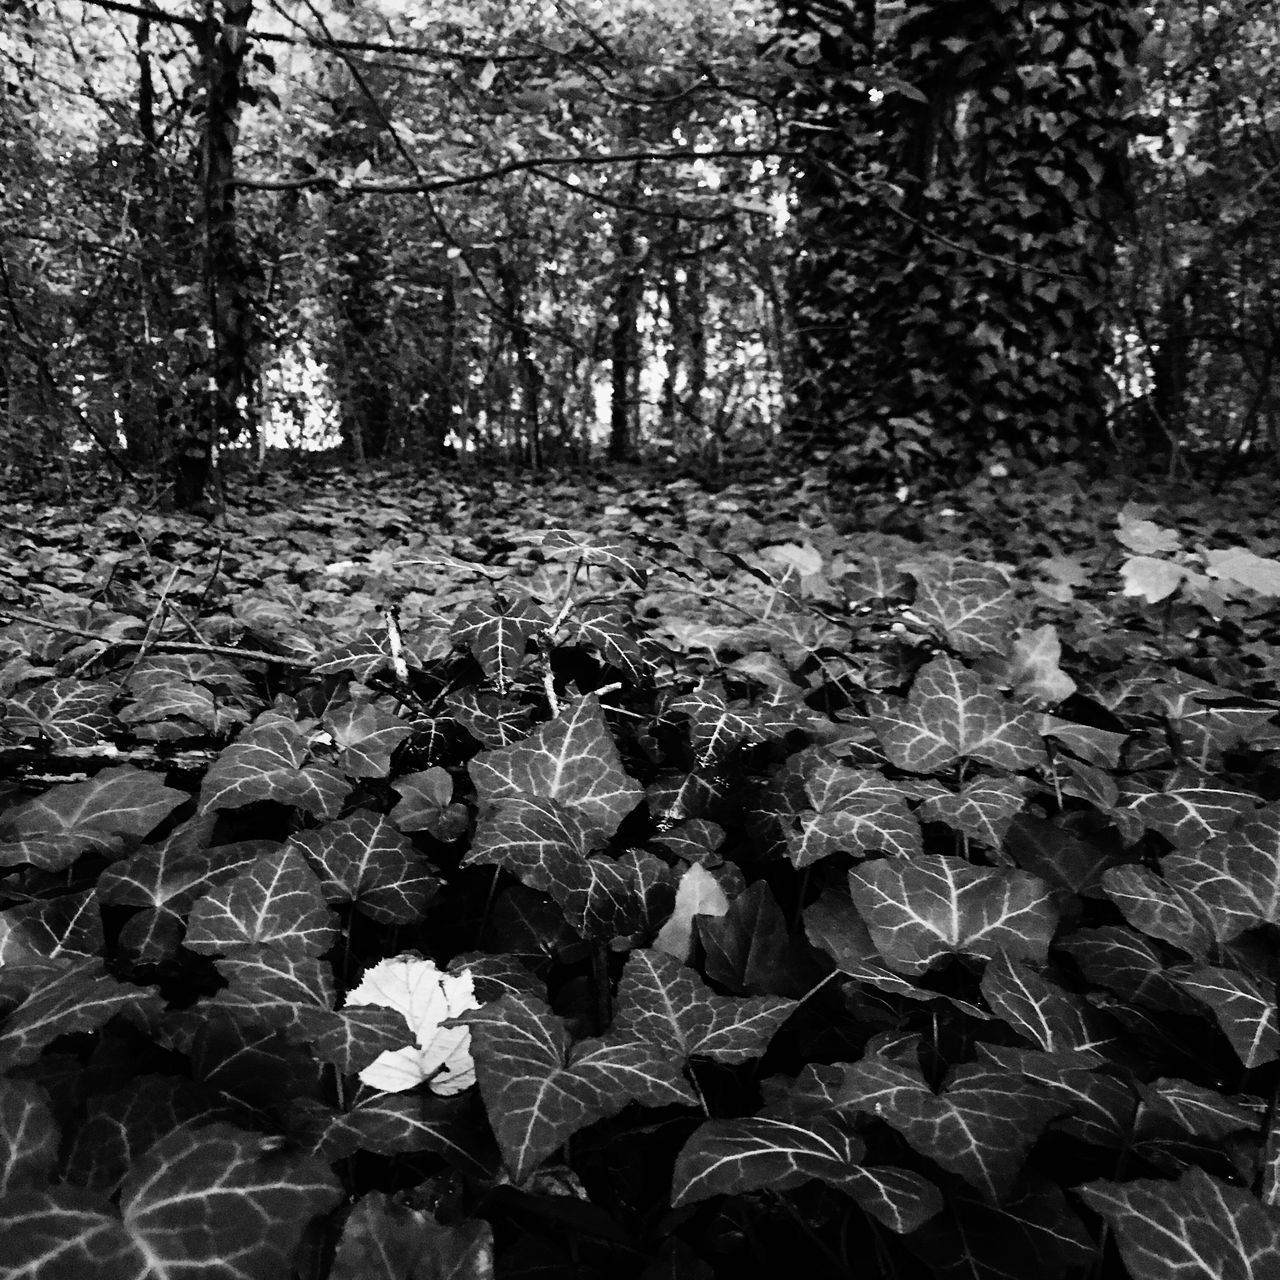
(28, 1136)
(950, 715)
(968, 604)
(1199, 1227)
(920, 909)
(268, 762)
(395, 1124)
(982, 809)
(1243, 1007)
(981, 1126)
(572, 759)
(365, 735)
(666, 1004)
(497, 631)
(275, 900)
(79, 998)
(385, 1240)
(1158, 908)
(100, 816)
(1043, 1012)
(208, 1201)
(539, 1090)
(1235, 880)
(857, 810)
(364, 860)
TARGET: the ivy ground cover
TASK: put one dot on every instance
(404, 881)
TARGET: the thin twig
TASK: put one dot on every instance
(161, 646)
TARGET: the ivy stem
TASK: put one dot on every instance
(488, 907)
(600, 985)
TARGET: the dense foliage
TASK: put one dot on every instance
(965, 188)
(926, 230)
(635, 880)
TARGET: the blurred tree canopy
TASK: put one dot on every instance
(889, 234)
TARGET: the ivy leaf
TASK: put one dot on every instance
(206, 1198)
(600, 625)
(547, 846)
(934, 905)
(572, 759)
(80, 998)
(64, 1231)
(68, 712)
(1206, 1113)
(201, 1200)
(97, 816)
(395, 1124)
(573, 544)
(279, 988)
(950, 715)
(497, 632)
(716, 727)
(1041, 1011)
(356, 1036)
(1246, 569)
(1035, 669)
(1032, 1233)
(68, 927)
(1198, 1226)
(983, 809)
(968, 604)
(276, 900)
(364, 860)
(425, 997)
(857, 810)
(365, 735)
(1158, 908)
(1099, 1108)
(1235, 879)
(538, 1090)
(727, 1157)
(1189, 815)
(164, 880)
(665, 1004)
(29, 1135)
(1097, 747)
(268, 762)
(1242, 1007)
(750, 949)
(384, 1240)
(426, 804)
(980, 1127)
(1126, 963)
(698, 893)
(1151, 579)
(873, 577)
(119, 1127)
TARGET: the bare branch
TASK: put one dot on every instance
(427, 185)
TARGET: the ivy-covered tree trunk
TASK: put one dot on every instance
(218, 414)
(625, 342)
(830, 46)
(957, 225)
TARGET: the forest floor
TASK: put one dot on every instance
(816, 875)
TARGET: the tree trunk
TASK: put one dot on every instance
(626, 313)
(219, 415)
